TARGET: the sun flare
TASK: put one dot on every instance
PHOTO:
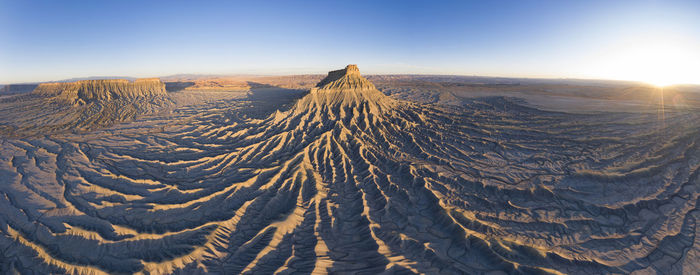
(659, 63)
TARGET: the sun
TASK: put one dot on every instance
(660, 64)
(657, 62)
(661, 82)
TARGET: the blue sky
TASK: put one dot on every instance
(51, 40)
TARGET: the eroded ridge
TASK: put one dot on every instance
(349, 181)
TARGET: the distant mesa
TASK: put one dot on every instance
(108, 89)
(82, 105)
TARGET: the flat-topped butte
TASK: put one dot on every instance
(108, 89)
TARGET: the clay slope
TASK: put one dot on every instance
(349, 180)
(82, 105)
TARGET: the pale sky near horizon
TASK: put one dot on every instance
(650, 41)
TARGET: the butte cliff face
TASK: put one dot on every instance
(343, 94)
(345, 79)
(81, 105)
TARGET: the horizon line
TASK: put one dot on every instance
(96, 77)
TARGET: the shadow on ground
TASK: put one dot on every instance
(177, 86)
(265, 99)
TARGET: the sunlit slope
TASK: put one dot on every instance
(349, 180)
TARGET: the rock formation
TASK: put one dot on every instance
(345, 79)
(104, 90)
(344, 93)
(82, 105)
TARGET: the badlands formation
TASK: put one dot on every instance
(81, 105)
(344, 180)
